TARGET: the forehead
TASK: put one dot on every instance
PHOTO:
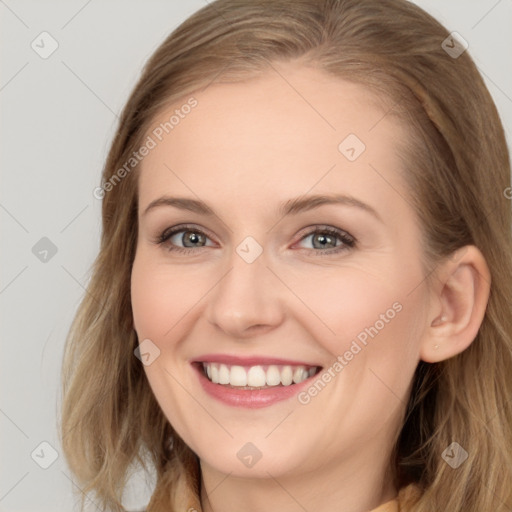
(280, 134)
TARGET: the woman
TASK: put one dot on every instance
(340, 335)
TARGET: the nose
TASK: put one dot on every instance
(247, 300)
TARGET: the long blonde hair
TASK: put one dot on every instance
(458, 171)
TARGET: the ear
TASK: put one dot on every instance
(460, 296)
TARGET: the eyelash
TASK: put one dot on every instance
(348, 241)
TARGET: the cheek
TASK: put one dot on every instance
(369, 325)
(371, 329)
(160, 303)
(347, 304)
(160, 298)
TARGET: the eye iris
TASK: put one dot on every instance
(324, 240)
(191, 237)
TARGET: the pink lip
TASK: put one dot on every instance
(248, 398)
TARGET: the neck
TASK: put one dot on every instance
(347, 486)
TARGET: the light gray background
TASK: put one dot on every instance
(58, 118)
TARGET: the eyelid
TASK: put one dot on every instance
(350, 241)
(314, 228)
(164, 236)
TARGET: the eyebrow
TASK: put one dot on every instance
(290, 207)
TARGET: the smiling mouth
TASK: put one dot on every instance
(257, 376)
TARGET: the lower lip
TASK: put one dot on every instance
(250, 398)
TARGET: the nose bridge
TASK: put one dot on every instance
(247, 295)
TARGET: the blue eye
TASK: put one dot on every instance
(325, 240)
(189, 235)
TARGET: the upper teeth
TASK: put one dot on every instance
(257, 376)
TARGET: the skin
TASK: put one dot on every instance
(245, 149)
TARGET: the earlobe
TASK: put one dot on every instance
(461, 300)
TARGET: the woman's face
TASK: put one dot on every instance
(260, 286)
